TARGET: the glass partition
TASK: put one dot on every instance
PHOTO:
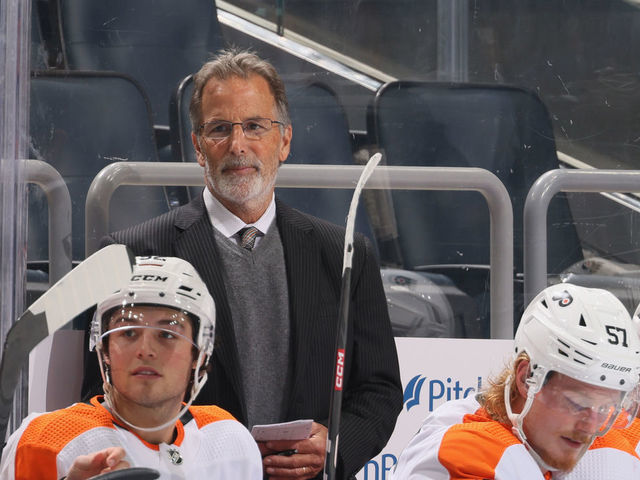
(515, 87)
(14, 100)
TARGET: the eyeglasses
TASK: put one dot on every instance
(253, 128)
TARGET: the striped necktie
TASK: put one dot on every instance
(248, 237)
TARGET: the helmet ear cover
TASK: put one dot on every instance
(536, 378)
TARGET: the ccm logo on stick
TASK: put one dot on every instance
(339, 369)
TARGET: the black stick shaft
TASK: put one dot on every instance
(335, 406)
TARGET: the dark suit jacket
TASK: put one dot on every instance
(313, 252)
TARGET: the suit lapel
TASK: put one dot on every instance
(197, 245)
(302, 259)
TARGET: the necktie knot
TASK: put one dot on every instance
(248, 237)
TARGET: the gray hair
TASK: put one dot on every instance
(237, 63)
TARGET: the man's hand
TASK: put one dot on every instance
(107, 460)
(306, 463)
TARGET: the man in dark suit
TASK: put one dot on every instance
(277, 285)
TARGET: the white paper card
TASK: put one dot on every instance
(295, 430)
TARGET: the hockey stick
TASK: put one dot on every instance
(91, 281)
(335, 406)
(133, 473)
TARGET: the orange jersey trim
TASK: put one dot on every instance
(47, 434)
(632, 434)
(474, 448)
(614, 438)
(203, 415)
(206, 414)
(96, 402)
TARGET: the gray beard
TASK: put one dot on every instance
(239, 191)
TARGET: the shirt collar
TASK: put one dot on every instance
(227, 223)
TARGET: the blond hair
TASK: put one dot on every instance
(492, 399)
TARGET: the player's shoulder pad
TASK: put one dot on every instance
(207, 414)
(59, 427)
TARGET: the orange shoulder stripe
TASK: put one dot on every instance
(616, 439)
(35, 461)
(57, 428)
(47, 434)
(632, 433)
(473, 450)
(206, 414)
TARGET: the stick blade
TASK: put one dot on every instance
(84, 286)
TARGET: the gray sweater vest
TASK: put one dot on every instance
(256, 286)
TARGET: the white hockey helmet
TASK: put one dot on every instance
(166, 281)
(636, 319)
(584, 333)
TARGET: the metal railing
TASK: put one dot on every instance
(59, 201)
(338, 176)
(537, 204)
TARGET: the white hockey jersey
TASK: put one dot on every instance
(210, 444)
(457, 441)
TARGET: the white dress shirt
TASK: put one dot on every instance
(228, 224)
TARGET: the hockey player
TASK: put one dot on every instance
(575, 376)
(154, 338)
(632, 434)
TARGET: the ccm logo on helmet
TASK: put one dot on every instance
(152, 257)
(148, 278)
(611, 366)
